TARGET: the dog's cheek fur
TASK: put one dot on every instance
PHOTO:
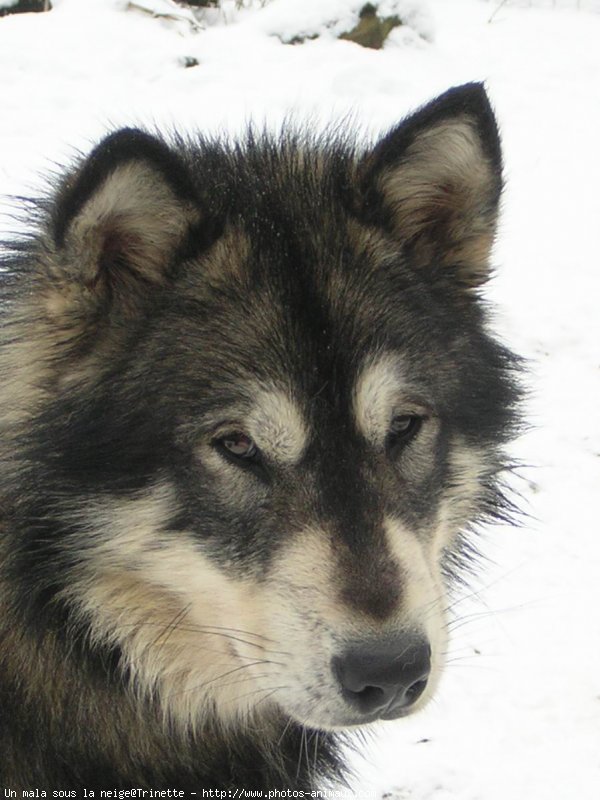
(169, 608)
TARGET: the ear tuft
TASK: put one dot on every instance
(436, 180)
(124, 216)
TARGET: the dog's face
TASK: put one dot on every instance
(274, 410)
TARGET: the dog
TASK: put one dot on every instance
(251, 411)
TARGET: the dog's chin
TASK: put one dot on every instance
(346, 719)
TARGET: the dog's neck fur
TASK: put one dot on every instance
(283, 754)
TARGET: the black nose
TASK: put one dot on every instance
(384, 678)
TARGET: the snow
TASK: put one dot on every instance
(306, 18)
(518, 712)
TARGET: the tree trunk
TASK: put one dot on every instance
(23, 6)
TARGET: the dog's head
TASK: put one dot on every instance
(265, 408)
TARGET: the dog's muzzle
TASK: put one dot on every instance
(383, 679)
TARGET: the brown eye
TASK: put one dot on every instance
(239, 445)
(403, 428)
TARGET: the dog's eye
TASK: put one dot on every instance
(403, 428)
(239, 445)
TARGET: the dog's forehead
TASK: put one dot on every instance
(284, 416)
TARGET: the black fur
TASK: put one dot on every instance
(120, 397)
(117, 149)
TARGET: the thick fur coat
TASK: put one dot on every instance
(250, 409)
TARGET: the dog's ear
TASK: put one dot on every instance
(435, 181)
(123, 219)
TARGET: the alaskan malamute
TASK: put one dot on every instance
(250, 409)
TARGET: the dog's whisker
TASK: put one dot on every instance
(301, 749)
(219, 677)
(201, 630)
(285, 730)
(164, 635)
(316, 754)
(264, 699)
(257, 676)
(238, 630)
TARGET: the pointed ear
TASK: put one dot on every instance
(123, 218)
(436, 180)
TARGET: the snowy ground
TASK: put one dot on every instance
(518, 714)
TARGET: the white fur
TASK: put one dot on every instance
(190, 634)
(277, 425)
(381, 392)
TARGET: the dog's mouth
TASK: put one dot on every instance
(386, 714)
(368, 681)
